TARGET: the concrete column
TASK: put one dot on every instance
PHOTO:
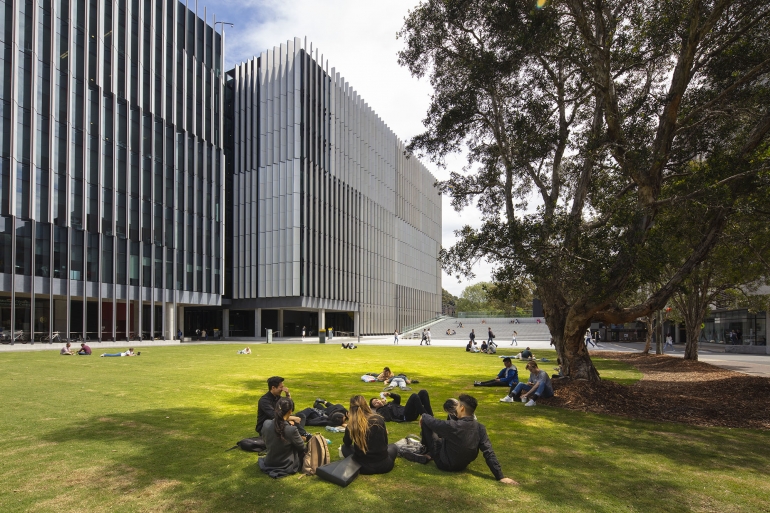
(258, 322)
(356, 324)
(226, 322)
(280, 322)
(321, 319)
(169, 331)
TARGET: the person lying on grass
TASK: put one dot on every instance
(129, 352)
(324, 413)
(507, 377)
(366, 438)
(393, 380)
(267, 403)
(285, 446)
(539, 385)
(416, 405)
(454, 443)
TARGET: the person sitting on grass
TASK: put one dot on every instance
(267, 404)
(66, 351)
(85, 350)
(285, 446)
(385, 375)
(526, 354)
(129, 352)
(245, 350)
(366, 438)
(484, 346)
(454, 443)
(393, 380)
(507, 377)
(539, 385)
(416, 405)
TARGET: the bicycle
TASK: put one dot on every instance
(54, 337)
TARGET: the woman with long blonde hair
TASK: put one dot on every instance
(366, 438)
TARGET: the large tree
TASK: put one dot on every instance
(610, 114)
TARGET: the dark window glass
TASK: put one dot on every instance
(169, 269)
(189, 278)
(133, 219)
(146, 221)
(108, 166)
(107, 211)
(133, 264)
(5, 185)
(41, 194)
(107, 250)
(158, 267)
(198, 272)
(120, 214)
(147, 265)
(6, 244)
(23, 247)
(92, 208)
(76, 257)
(43, 250)
(158, 239)
(179, 270)
(59, 199)
(146, 179)
(59, 252)
(121, 177)
(121, 276)
(22, 190)
(122, 127)
(92, 257)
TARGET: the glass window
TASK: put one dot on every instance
(120, 274)
(76, 260)
(158, 231)
(92, 258)
(107, 211)
(59, 252)
(158, 267)
(5, 184)
(169, 269)
(146, 221)
(92, 204)
(147, 265)
(43, 250)
(179, 269)
(120, 214)
(41, 196)
(23, 247)
(6, 244)
(133, 228)
(133, 264)
(189, 282)
(22, 190)
(107, 242)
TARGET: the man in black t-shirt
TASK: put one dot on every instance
(266, 405)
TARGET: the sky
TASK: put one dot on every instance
(358, 38)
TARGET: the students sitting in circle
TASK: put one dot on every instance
(450, 332)
(285, 446)
(366, 438)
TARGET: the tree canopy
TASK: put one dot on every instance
(616, 116)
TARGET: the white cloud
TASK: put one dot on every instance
(358, 38)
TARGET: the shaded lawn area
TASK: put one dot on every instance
(150, 433)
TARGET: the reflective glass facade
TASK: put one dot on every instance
(111, 167)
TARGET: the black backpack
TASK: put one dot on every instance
(256, 444)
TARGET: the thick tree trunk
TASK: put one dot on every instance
(568, 331)
(691, 346)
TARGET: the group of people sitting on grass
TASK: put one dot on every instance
(538, 386)
(85, 350)
(452, 443)
(486, 347)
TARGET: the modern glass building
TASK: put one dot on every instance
(329, 223)
(111, 167)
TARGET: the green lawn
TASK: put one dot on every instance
(150, 433)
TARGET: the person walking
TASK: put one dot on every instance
(427, 336)
(490, 336)
(303, 333)
(395, 337)
(424, 337)
(513, 342)
(472, 337)
(669, 342)
(589, 340)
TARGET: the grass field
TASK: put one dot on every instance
(150, 433)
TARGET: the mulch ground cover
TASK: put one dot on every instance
(673, 389)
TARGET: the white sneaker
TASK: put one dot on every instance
(506, 399)
(530, 403)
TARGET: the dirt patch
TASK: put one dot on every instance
(675, 390)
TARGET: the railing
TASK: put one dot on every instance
(487, 315)
(423, 323)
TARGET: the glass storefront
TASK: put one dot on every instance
(739, 327)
